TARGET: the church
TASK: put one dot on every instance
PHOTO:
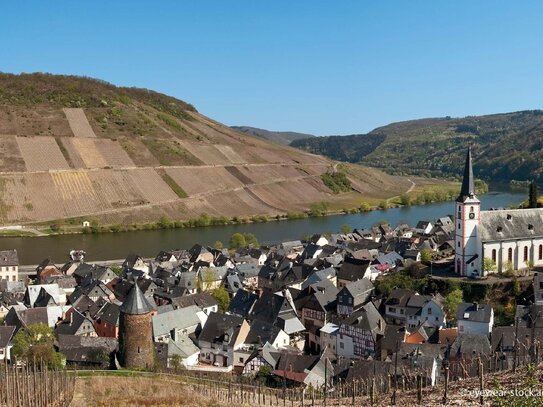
(512, 238)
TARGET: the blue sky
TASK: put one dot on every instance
(319, 67)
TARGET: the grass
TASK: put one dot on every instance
(14, 233)
(170, 121)
(168, 152)
(180, 192)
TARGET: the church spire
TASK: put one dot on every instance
(468, 187)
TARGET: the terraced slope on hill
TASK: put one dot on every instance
(77, 147)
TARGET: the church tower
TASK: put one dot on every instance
(467, 216)
(135, 331)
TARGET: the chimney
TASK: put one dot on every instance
(379, 324)
(476, 306)
(72, 317)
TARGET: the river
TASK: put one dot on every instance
(147, 243)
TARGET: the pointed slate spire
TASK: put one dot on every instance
(468, 186)
(136, 303)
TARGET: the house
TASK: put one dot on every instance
(204, 301)
(328, 273)
(47, 269)
(260, 334)
(220, 337)
(106, 322)
(317, 308)
(474, 318)
(173, 324)
(360, 333)
(87, 351)
(198, 254)
(328, 336)
(249, 274)
(21, 318)
(135, 263)
(426, 309)
(182, 350)
(353, 295)
(465, 352)
(43, 295)
(503, 339)
(6, 337)
(396, 305)
(305, 370)
(424, 227)
(242, 303)
(352, 269)
(75, 324)
(94, 272)
(211, 278)
(9, 265)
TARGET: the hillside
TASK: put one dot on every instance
(506, 146)
(76, 149)
(280, 137)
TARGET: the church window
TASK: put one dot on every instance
(525, 253)
(494, 255)
(471, 209)
(510, 254)
(541, 252)
(458, 244)
(458, 225)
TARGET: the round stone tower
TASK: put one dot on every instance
(136, 331)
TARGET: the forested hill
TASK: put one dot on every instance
(506, 146)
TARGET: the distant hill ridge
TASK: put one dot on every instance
(507, 146)
(281, 137)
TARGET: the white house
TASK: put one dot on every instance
(474, 318)
(9, 265)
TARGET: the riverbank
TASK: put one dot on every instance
(416, 194)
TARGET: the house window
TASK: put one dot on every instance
(341, 346)
(525, 253)
(350, 300)
(494, 255)
(541, 252)
(241, 360)
(429, 311)
(510, 254)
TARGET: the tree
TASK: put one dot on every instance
(452, 300)
(489, 264)
(34, 344)
(365, 207)
(250, 239)
(405, 200)
(532, 195)
(509, 269)
(222, 297)
(208, 277)
(218, 245)
(237, 240)
(345, 229)
(426, 256)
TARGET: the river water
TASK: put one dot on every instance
(147, 243)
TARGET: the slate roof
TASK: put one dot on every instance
(218, 326)
(510, 224)
(468, 344)
(352, 269)
(242, 303)
(182, 346)
(6, 334)
(367, 318)
(109, 313)
(182, 318)
(136, 303)
(71, 325)
(474, 312)
(202, 300)
(261, 332)
(9, 258)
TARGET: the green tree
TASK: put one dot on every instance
(175, 361)
(250, 239)
(34, 344)
(218, 245)
(517, 290)
(509, 269)
(222, 297)
(405, 200)
(489, 264)
(426, 256)
(452, 300)
(208, 277)
(117, 270)
(237, 240)
(383, 205)
(365, 207)
(345, 229)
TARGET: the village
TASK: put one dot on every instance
(305, 313)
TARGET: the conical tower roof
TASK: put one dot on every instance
(468, 186)
(136, 303)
